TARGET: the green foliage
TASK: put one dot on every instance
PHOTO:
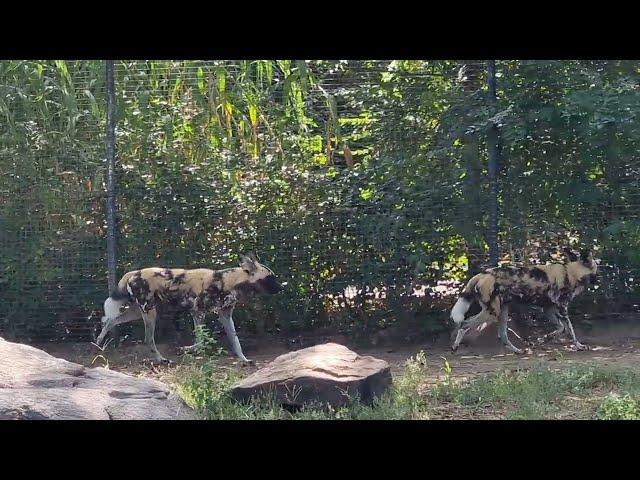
(616, 407)
(207, 345)
(218, 157)
(538, 392)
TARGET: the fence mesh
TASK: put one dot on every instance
(363, 184)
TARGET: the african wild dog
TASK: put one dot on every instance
(197, 290)
(549, 286)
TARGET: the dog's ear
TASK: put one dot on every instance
(571, 255)
(248, 263)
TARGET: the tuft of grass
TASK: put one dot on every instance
(619, 407)
(536, 393)
(207, 344)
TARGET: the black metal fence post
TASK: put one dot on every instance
(111, 176)
(493, 153)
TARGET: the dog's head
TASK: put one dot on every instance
(584, 264)
(260, 278)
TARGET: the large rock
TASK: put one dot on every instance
(35, 385)
(327, 373)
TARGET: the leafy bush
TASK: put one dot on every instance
(617, 407)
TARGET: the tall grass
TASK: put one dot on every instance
(568, 391)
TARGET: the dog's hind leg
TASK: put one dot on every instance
(503, 333)
(468, 324)
(133, 313)
(553, 316)
(565, 316)
(149, 333)
(225, 317)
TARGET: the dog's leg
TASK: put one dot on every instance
(467, 325)
(149, 333)
(133, 313)
(564, 314)
(503, 333)
(225, 317)
(552, 315)
(198, 321)
(459, 336)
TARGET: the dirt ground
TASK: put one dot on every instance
(617, 345)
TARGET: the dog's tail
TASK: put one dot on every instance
(465, 301)
(118, 298)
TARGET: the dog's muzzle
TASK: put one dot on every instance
(271, 285)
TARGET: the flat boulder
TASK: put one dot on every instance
(37, 386)
(328, 373)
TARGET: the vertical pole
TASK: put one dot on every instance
(493, 153)
(111, 176)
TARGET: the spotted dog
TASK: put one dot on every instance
(551, 287)
(199, 290)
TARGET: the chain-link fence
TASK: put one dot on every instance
(364, 184)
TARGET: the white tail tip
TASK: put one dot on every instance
(111, 308)
(459, 309)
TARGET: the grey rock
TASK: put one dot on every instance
(329, 373)
(37, 386)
